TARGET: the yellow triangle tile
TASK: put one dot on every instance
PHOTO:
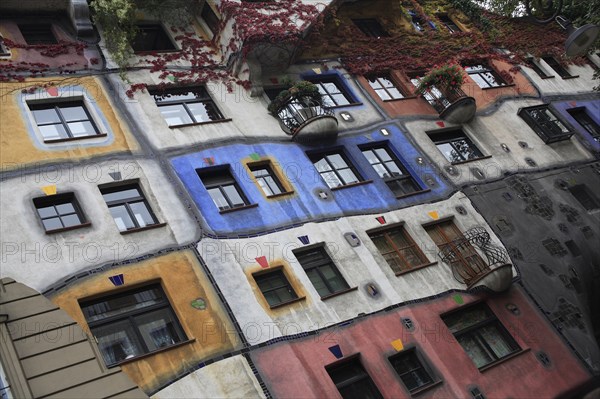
(397, 344)
(434, 215)
(49, 190)
(317, 70)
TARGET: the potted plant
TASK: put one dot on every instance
(303, 91)
(443, 78)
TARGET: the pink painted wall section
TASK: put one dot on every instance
(297, 368)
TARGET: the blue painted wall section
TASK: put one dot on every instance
(304, 205)
(592, 109)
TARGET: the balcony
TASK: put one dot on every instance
(470, 268)
(453, 105)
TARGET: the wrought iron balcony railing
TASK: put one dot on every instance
(305, 118)
(453, 105)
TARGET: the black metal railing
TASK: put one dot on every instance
(442, 99)
(298, 110)
(466, 262)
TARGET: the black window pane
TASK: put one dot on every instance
(353, 382)
(411, 371)
(151, 38)
(37, 33)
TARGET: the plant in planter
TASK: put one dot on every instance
(446, 77)
(303, 92)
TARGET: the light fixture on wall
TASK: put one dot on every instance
(580, 39)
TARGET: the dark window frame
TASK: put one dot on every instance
(317, 264)
(56, 200)
(534, 64)
(406, 266)
(161, 36)
(127, 203)
(453, 137)
(329, 97)
(4, 51)
(583, 118)
(585, 197)
(272, 273)
(210, 18)
(422, 365)
(254, 167)
(56, 107)
(224, 178)
(384, 87)
(557, 67)
(316, 157)
(544, 125)
(161, 99)
(38, 34)
(496, 81)
(362, 377)
(370, 27)
(449, 23)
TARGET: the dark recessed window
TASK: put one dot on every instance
(391, 170)
(128, 207)
(222, 188)
(558, 68)
(333, 92)
(132, 323)
(59, 212)
(59, 121)
(275, 287)
(321, 270)
(152, 37)
(546, 125)
(335, 168)
(484, 76)
(416, 21)
(211, 19)
(398, 249)
(37, 33)
(4, 51)
(585, 197)
(186, 106)
(385, 87)
(414, 373)
(266, 179)
(352, 380)
(448, 23)
(582, 117)
(533, 64)
(481, 334)
(455, 145)
(370, 27)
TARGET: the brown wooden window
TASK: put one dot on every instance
(275, 287)
(352, 380)
(398, 249)
(385, 87)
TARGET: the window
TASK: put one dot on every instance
(186, 106)
(60, 121)
(385, 87)
(152, 37)
(222, 188)
(481, 334)
(585, 197)
(332, 91)
(448, 23)
(545, 124)
(4, 51)
(414, 373)
(582, 117)
(266, 179)
(128, 207)
(132, 323)
(433, 95)
(416, 21)
(335, 169)
(321, 270)
(275, 287)
(60, 212)
(484, 76)
(533, 64)
(37, 34)
(455, 146)
(352, 380)
(211, 19)
(551, 61)
(398, 249)
(370, 27)
(391, 170)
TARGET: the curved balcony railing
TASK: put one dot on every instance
(468, 267)
(305, 119)
(453, 105)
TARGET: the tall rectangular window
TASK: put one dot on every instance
(352, 380)
(37, 34)
(390, 169)
(64, 120)
(545, 124)
(321, 270)
(186, 106)
(582, 117)
(448, 23)
(222, 188)
(398, 249)
(558, 68)
(334, 94)
(385, 87)
(455, 145)
(132, 323)
(481, 334)
(585, 197)
(414, 373)
(335, 168)
(275, 287)
(266, 179)
(211, 19)
(152, 37)
(128, 207)
(485, 76)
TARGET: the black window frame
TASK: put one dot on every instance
(533, 64)
(127, 203)
(485, 68)
(4, 51)
(56, 107)
(316, 157)
(329, 97)
(56, 200)
(161, 99)
(272, 274)
(270, 172)
(38, 33)
(392, 181)
(545, 129)
(381, 80)
(585, 197)
(318, 263)
(223, 178)
(397, 250)
(130, 318)
(370, 27)
(449, 23)
(453, 137)
(162, 36)
(423, 365)
(583, 118)
(473, 332)
(361, 376)
(557, 67)
(210, 18)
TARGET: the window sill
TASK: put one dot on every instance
(400, 99)
(360, 183)
(412, 269)
(149, 227)
(282, 304)
(498, 87)
(342, 106)
(413, 193)
(86, 224)
(426, 388)
(238, 208)
(326, 297)
(569, 77)
(200, 123)
(547, 77)
(274, 196)
(133, 359)
(470, 160)
(504, 359)
(92, 136)
(150, 52)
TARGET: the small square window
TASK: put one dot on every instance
(414, 373)
(448, 23)
(585, 197)
(455, 145)
(321, 270)
(37, 34)
(484, 76)
(275, 287)
(222, 188)
(152, 37)
(398, 249)
(266, 178)
(332, 90)
(132, 323)
(352, 380)
(370, 27)
(60, 212)
(335, 169)
(128, 207)
(211, 19)
(481, 334)
(390, 169)
(385, 87)
(65, 120)
(558, 68)
(186, 106)
(546, 125)
(582, 117)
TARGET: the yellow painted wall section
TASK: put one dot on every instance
(183, 281)
(17, 146)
